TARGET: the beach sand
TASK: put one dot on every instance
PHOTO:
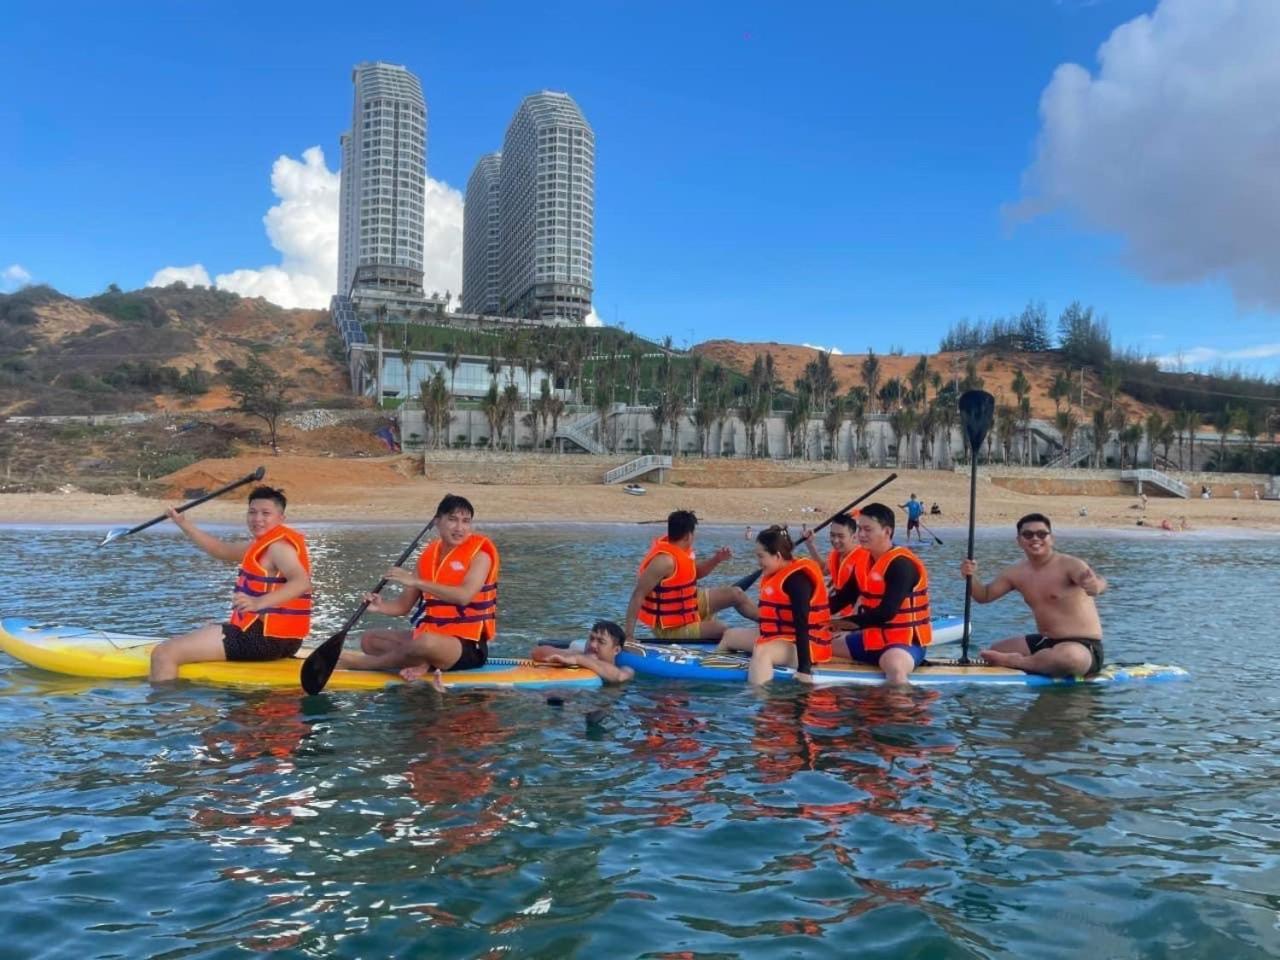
(392, 489)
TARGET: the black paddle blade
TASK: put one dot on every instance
(977, 411)
(318, 667)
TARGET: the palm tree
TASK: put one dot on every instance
(602, 401)
(1154, 428)
(797, 420)
(493, 366)
(946, 415)
(858, 418)
(1118, 421)
(1130, 438)
(1006, 428)
(1022, 390)
(1099, 434)
(1223, 421)
(437, 405)
(510, 407)
(406, 361)
(1252, 425)
(1179, 423)
(918, 378)
(871, 374)
(453, 357)
(1060, 390)
(491, 407)
(831, 421)
(1194, 420)
(1067, 423)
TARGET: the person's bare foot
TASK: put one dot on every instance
(417, 672)
(1000, 658)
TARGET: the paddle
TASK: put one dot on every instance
(118, 533)
(318, 667)
(936, 539)
(751, 578)
(977, 410)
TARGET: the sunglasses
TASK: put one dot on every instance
(1034, 534)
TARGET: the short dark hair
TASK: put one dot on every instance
(880, 514)
(264, 492)
(776, 540)
(1034, 518)
(680, 523)
(846, 520)
(612, 630)
(451, 503)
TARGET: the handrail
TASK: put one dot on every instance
(640, 465)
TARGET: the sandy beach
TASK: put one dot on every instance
(391, 489)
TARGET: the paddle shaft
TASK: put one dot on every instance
(977, 408)
(319, 665)
(250, 478)
(745, 582)
(937, 539)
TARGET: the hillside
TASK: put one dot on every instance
(997, 371)
(153, 349)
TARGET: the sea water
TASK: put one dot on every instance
(658, 820)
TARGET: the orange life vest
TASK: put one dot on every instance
(475, 620)
(776, 619)
(674, 601)
(840, 571)
(912, 622)
(290, 620)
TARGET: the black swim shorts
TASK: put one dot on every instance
(475, 653)
(1038, 641)
(250, 644)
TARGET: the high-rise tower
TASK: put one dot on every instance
(384, 171)
(480, 233)
(547, 211)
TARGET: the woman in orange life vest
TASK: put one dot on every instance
(667, 598)
(792, 612)
(453, 596)
(271, 606)
(889, 590)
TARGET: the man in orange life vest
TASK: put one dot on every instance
(667, 597)
(453, 596)
(889, 591)
(271, 606)
(839, 562)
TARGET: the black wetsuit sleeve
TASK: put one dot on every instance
(799, 589)
(846, 596)
(899, 580)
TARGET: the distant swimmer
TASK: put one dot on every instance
(1059, 589)
(271, 605)
(604, 643)
(667, 598)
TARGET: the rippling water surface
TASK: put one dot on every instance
(654, 821)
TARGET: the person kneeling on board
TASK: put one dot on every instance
(604, 643)
(271, 605)
(889, 591)
(792, 611)
(1059, 589)
(451, 598)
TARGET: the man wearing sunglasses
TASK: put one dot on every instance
(1059, 589)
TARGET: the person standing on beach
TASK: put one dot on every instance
(451, 598)
(915, 510)
(667, 598)
(271, 605)
(1059, 589)
(889, 592)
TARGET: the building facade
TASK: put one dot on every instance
(480, 233)
(546, 199)
(383, 184)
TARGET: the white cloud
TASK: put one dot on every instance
(1199, 357)
(193, 276)
(14, 276)
(303, 227)
(1172, 144)
(834, 351)
(593, 320)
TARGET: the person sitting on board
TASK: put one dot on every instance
(889, 592)
(667, 598)
(1059, 589)
(271, 605)
(604, 643)
(838, 565)
(915, 510)
(451, 598)
(792, 610)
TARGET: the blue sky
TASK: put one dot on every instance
(847, 175)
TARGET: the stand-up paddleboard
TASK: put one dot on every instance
(946, 629)
(685, 663)
(81, 652)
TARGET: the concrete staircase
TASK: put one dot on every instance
(638, 468)
(582, 431)
(1157, 479)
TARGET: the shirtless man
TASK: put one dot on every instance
(1059, 589)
